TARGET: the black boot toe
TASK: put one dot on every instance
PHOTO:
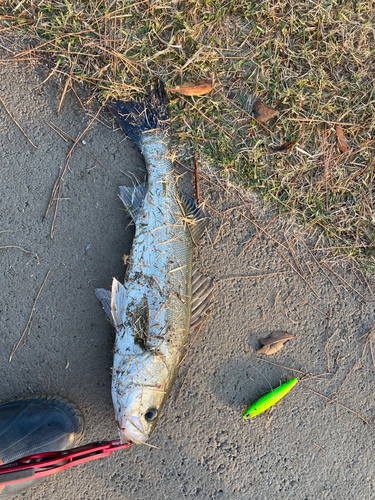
(36, 424)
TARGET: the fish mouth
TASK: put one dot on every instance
(131, 431)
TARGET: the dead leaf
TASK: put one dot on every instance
(262, 112)
(274, 342)
(284, 147)
(341, 142)
(194, 88)
(281, 104)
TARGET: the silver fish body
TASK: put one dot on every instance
(151, 312)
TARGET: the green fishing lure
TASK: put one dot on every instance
(269, 399)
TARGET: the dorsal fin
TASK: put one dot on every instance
(198, 218)
(202, 288)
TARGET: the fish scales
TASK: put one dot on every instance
(152, 310)
(162, 253)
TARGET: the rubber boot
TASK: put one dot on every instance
(36, 424)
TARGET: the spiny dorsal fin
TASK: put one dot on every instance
(198, 218)
(132, 198)
(202, 288)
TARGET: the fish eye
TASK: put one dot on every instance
(151, 414)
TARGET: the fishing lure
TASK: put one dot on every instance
(269, 399)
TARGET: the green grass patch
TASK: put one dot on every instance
(312, 61)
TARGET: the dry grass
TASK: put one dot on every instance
(312, 61)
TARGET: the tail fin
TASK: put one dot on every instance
(137, 117)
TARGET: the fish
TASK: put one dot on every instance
(163, 296)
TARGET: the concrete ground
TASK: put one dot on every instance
(303, 449)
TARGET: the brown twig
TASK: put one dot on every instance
(222, 223)
(320, 120)
(278, 249)
(347, 376)
(196, 178)
(368, 340)
(343, 281)
(57, 199)
(60, 178)
(339, 404)
(326, 343)
(56, 129)
(205, 177)
(182, 383)
(276, 299)
(260, 232)
(215, 211)
(54, 40)
(195, 336)
(77, 96)
(311, 305)
(367, 333)
(367, 284)
(28, 322)
(260, 228)
(67, 83)
(219, 231)
(320, 267)
(358, 224)
(311, 377)
(299, 274)
(85, 130)
(288, 296)
(131, 62)
(327, 173)
(56, 187)
(57, 132)
(280, 366)
(22, 249)
(247, 206)
(372, 355)
(252, 276)
(297, 262)
(18, 125)
(319, 447)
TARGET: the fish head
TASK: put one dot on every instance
(139, 390)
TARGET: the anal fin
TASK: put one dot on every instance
(132, 198)
(198, 218)
(202, 288)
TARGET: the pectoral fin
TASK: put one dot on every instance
(118, 304)
(105, 299)
(132, 198)
(202, 288)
